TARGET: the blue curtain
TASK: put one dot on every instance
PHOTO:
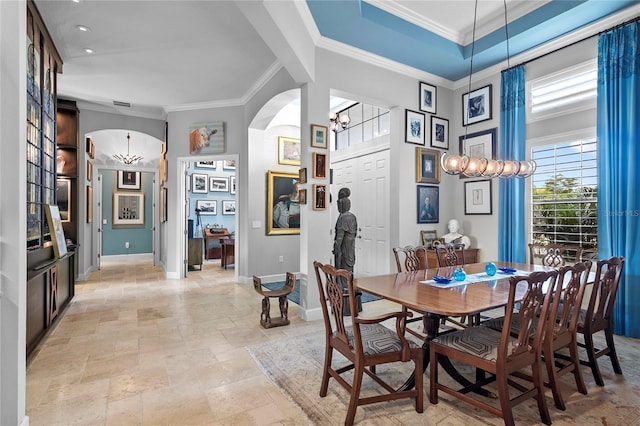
(618, 129)
(512, 146)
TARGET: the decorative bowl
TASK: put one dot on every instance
(441, 280)
(507, 270)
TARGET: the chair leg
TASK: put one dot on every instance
(433, 376)
(328, 355)
(536, 374)
(265, 318)
(358, 371)
(549, 361)
(593, 362)
(419, 382)
(577, 373)
(608, 333)
(503, 396)
(284, 307)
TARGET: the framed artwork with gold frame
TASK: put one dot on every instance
(288, 151)
(283, 206)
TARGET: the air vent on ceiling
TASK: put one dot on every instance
(122, 104)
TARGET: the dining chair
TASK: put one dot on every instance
(281, 293)
(500, 353)
(555, 255)
(450, 254)
(598, 316)
(410, 258)
(365, 343)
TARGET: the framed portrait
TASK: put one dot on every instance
(414, 127)
(480, 144)
(302, 196)
(319, 136)
(229, 164)
(288, 151)
(232, 185)
(163, 205)
(206, 138)
(128, 208)
(206, 164)
(319, 197)
(199, 183)
(283, 203)
(55, 228)
(476, 106)
(128, 179)
(439, 132)
(428, 203)
(218, 184)
(63, 199)
(302, 175)
(228, 206)
(427, 165)
(89, 204)
(427, 98)
(89, 170)
(428, 237)
(207, 207)
(477, 197)
(319, 165)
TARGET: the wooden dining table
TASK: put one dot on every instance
(436, 301)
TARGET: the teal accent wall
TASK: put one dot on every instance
(140, 237)
(220, 219)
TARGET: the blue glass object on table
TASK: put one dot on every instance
(490, 269)
(459, 274)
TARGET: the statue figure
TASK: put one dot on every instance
(344, 246)
(454, 236)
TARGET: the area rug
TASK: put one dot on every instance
(295, 294)
(294, 364)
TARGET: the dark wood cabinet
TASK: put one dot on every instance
(470, 256)
(194, 253)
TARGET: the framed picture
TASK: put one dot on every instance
(428, 202)
(302, 196)
(163, 148)
(427, 98)
(228, 206)
(128, 179)
(56, 231)
(163, 205)
(302, 175)
(162, 170)
(128, 208)
(229, 164)
(207, 207)
(480, 144)
(232, 185)
(63, 198)
(477, 197)
(218, 184)
(199, 183)
(476, 106)
(283, 203)
(206, 138)
(89, 170)
(439, 132)
(319, 165)
(427, 165)
(319, 197)
(206, 164)
(319, 136)
(414, 127)
(428, 237)
(288, 151)
(89, 204)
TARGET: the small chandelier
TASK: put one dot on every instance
(482, 167)
(127, 158)
(337, 119)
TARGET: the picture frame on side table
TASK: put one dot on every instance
(128, 179)
(427, 165)
(428, 97)
(319, 136)
(480, 144)
(439, 132)
(428, 237)
(128, 208)
(282, 214)
(477, 197)
(476, 106)
(428, 204)
(414, 127)
(200, 183)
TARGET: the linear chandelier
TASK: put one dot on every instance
(486, 167)
(128, 158)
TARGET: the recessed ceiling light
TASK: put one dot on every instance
(88, 50)
(76, 1)
(83, 28)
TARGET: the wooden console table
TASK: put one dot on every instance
(470, 256)
(213, 251)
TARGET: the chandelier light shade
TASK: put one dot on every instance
(127, 158)
(336, 120)
(482, 167)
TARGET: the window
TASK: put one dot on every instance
(567, 91)
(367, 122)
(564, 195)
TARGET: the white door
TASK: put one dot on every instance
(367, 177)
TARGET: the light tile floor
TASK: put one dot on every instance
(136, 349)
